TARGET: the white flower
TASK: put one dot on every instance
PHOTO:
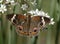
(34, 2)
(51, 21)
(36, 12)
(31, 12)
(25, 14)
(3, 8)
(1, 1)
(10, 1)
(24, 7)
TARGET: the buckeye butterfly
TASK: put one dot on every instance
(28, 25)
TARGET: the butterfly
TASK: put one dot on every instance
(28, 25)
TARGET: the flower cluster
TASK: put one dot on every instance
(3, 5)
(25, 6)
(10, 1)
(39, 13)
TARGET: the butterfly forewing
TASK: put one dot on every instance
(47, 20)
(9, 16)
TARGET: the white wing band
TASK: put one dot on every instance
(13, 18)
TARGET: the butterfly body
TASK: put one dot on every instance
(28, 25)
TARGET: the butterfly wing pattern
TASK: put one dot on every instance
(28, 25)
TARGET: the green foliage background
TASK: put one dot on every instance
(51, 36)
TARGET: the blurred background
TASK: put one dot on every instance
(49, 36)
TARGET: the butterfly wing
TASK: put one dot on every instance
(21, 22)
(15, 18)
(38, 23)
(34, 29)
(47, 20)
